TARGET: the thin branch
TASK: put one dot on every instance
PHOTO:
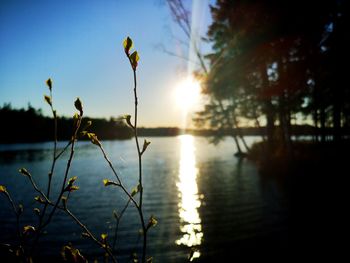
(42, 215)
(17, 213)
(139, 153)
(116, 175)
(63, 150)
(38, 190)
(140, 172)
(170, 53)
(102, 245)
(180, 15)
(118, 218)
(66, 173)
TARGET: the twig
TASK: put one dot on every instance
(116, 175)
(17, 213)
(104, 246)
(140, 169)
(118, 218)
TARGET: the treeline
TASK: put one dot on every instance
(275, 61)
(159, 131)
(296, 130)
(30, 125)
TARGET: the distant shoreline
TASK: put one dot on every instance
(298, 131)
(31, 126)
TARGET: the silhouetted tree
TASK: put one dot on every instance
(273, 60)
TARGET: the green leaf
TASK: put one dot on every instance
(28, 229)
(48, 99)
(83, 133)
(134, 58)
(72, 180)
(79, 106)
(37, 211)
(39, 199)
(107, 182)
(49, 83)
(194, 253)
(145, 145)
(72, 188)
(24, 172)
(3, 189)
(75, 117)
(104, 237)
(71, 254)
(93, 138)
(135, 190)
(134, 258)
(151, 222)
(75, 120)
(128, 120)
(127, 44)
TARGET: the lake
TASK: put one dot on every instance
(202, 196)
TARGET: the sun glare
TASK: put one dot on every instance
(187, 93)
(190, 200)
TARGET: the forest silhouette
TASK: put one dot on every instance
(30, 125)
(275, 63)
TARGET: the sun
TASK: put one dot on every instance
(187, 93)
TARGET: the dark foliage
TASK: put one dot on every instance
(275, 61)
(29, 125)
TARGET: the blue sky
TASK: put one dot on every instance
(79, 45)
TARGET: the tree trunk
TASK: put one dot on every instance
(239, 132)
(270, 122)
(229, 123)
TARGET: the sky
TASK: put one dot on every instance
(79, 45)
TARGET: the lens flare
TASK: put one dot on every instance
(187, 94)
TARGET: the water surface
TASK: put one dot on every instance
(204, 199)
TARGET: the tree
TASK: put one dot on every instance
(264, 65)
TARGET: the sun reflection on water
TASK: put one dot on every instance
(190, 221)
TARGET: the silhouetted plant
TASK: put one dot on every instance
(29, 235)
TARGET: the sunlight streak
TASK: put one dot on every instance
(189, 202)
(188, 91)
(197, 29)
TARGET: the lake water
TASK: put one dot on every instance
(201, 195)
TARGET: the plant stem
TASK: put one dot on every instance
(140, 172)
(106, 248)
(116, 175)
(39, 191)
(54, 153)
(117, 224)
(43, 224)
(64, 149)
(17, 216)
(66, 173)
(54, 159)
